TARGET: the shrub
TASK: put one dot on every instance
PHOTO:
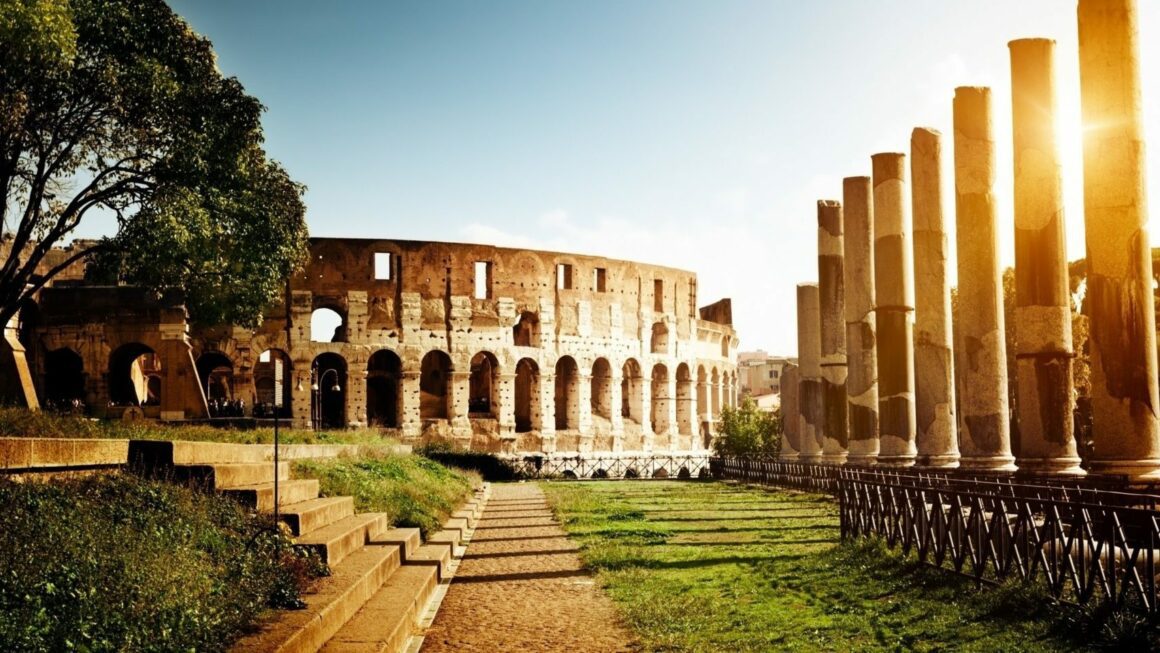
(118, 563)
(747, 430)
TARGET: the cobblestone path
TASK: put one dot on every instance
(520, 587)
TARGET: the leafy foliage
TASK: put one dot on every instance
(116, 107)
(747, 430)
(118, 563)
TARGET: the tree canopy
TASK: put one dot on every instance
(117, 108)
(748, 430)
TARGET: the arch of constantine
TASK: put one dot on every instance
(493, 349)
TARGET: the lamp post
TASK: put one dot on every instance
(317, 382)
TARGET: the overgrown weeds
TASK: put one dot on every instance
(118, 563)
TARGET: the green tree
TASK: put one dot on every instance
(117, 108)
(747, 430)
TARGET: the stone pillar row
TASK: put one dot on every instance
(878, 372)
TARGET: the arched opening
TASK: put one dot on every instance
(715, 393)
(215, 372)
(384, 375)
(526, 332)
(660, 338)
(684, 400)
(64, 380)
(683, 474)
(483, 400)
(631, 389)
(725, 347)
(660, 472)
(328, 391)
(602, 388)
(272, 377)
(527, 406)
(434, 380)
(567, 395)
(659, 413)
(134, 376)
(327, 325)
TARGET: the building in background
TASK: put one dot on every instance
(759, 375)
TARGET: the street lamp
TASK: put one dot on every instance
(317, 382)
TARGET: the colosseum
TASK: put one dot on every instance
(492, 349)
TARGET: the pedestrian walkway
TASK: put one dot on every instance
(520, 587)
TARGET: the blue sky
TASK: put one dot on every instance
(697, 134)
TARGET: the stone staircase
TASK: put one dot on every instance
(382, 578)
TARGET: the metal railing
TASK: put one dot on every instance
(596, 466)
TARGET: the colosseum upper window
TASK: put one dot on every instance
(563, 276)
(659, 295)
(327, 325)
(482, 280)
(599, 280)
(382, 266)
(526, 332)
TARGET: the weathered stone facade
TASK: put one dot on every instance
(495, 349)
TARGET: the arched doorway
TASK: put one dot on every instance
(266, 384)
(434, 381)
(215, 371)
(631, 391)
(602, 388)
(659, 344)
(327, 325)
(134, 376)
(384, 376)
(684, 400)
(567, 395)
(328, 391)
(64, 379)
(659, 413)
(483, 397)
(527, 397)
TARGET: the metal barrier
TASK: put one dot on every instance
(611, 465)
(1081, 538)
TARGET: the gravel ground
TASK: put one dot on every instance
(520, 587)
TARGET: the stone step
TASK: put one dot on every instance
(449, 537)
(338, 540)
(433, 555)
(307, 516)
(389, 618)
(218, 476)
(407, 538)
(260, 496)
(460, 524)
(331, 604)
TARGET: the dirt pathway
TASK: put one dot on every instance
(520, 587)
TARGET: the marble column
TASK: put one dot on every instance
(1119, 283)
(789, 413)
(1044, 353)
(980, 348)
(831, 299)
(894, 311)
(937, 437)
(861, 353)
(810, 370)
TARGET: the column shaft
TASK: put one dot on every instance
(861, 348)
(831, 298)
(1119, 284)
(894, 311)
(810, 386)
(937, 437)
(789, 413)
(981, 350)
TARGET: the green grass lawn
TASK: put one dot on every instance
(712, 567)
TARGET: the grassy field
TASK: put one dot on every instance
(710, 567)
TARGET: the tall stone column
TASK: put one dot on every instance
(810, 386)
(616, 418)
(1044, 353)
(934, 374)
(507, 411)
(1119, 284)
(790, 414)
(647, 434)
(894, 311)
(584, 398)
(832, 300)
(459, 387)
(980, 348)
(547, 401)
(861, 353)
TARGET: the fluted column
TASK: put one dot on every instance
(861, 347)
(980, 348)
(831, 298)
(1044, 353)
(937, 437)
(789, 413)
(810, 385)
(1119, 284)
(894, 312)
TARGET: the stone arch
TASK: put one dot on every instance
(684, 400)
(602, 388)
(659, 343)
(328, 324)
(526, 332)
(567, 394)
(483, 397)
(384, 380)
(266, 384)
(134, 376)
(64, 378)
(434, 383)
(328, 386)
(725, 347)
(527, 404)
(659, 404)
(215, 374)
(631, 391)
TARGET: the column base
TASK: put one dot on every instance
(905, 460)
(862, 459)
(1005, 463)
(1062, 466)
(947, 461)
(1136, 470)
(863, 452)
(810, 458)
(788, 456)
(834, 458)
